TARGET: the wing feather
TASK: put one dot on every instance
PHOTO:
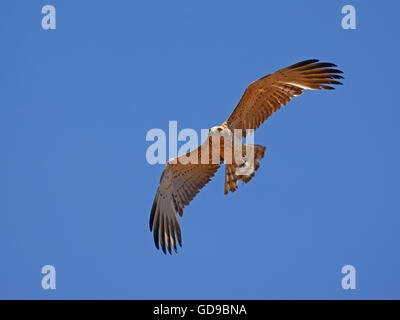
(268, 94)
(179, 184)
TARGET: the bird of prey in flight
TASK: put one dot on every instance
(185, 175)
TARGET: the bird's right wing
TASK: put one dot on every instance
(181, 180)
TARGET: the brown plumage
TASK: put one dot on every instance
(184, 176)
(232, 179)
(268, 94)
(181, 180)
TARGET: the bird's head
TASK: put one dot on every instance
(218, 131)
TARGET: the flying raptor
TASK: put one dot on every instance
(185, 175)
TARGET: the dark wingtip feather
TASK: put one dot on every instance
(175, 230)
(303, 63)
(163, 247)
(168, 232)
(334, 82)
(174, 242)
(162, 235)
(325, 65)
(153, 213)
(329, 64)
(156, 233)
(327, 87)
(179, 236)
(156, 243)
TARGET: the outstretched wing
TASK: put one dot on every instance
(181, 180)
(269, 93)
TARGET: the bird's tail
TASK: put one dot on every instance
(244, 169)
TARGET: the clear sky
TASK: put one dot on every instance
(76, 189)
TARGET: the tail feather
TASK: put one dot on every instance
(245, 170)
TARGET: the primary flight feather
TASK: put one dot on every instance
(184, 176)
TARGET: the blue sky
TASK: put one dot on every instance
(76, 190)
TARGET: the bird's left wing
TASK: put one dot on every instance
(268, 94)
(181, 180)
